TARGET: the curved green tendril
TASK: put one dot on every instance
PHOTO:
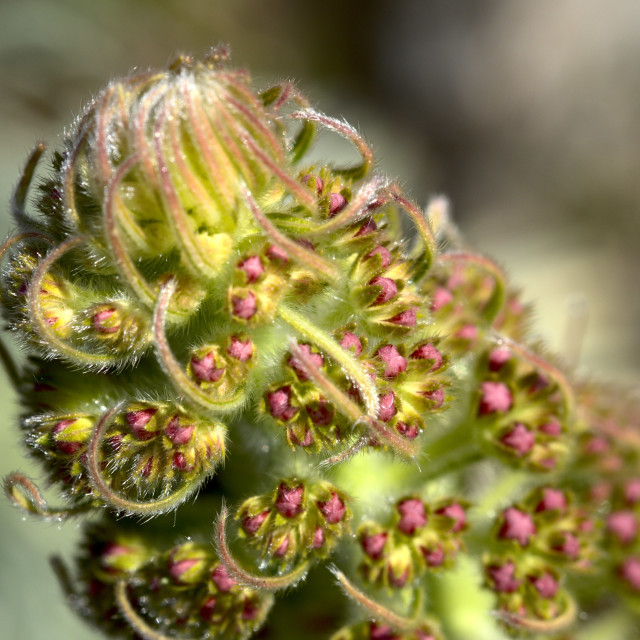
(346, 131)
(174, 370)
(239, 573)
(566, 618)
(138, 624)
(25, 495)
(37, 317)
(110, 497)
(378, 611)
(19, 195)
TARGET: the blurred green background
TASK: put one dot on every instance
(527, 115)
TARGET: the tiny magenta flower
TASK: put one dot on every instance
(503, 577)
(441, 297)
(519, 439)
(457, 513)
(546, 585)
(289, 501)
(240, 349)
(178, 433)
(517, 525)
(373, 545)
(428, 352)
(387, 406)
(337, 202)
(333, 509)
(552, 500)
(495, 398)
(252, 267)
(251, 524)
(383, 252)
(623, 525)
(395, 364)
(388, 289)
(279, 404)
(244, 306)
(221, 578)
(412, 515)
(351, 342)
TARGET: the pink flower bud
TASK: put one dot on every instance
(388, 289)
(457, 513)
(177, 433)
(207, 609)
(551, 428)
(289, 500)
(239, 349)
(337, 202)
(495, 397)
(106, 320)
(180, 462)
(221, 578)
(498, 358)
(282, 548)
(351, 341)
(333, 509)
(632, 491)
(397, 575)
(518, 526)
(412, 515)
(385, 255)
(428, 352)
(278, 402)
(368, 227)
(409, 431)
(382, 632)
(440, 298)
(68, 447)
(436, 396)
(320, 413)
(630, 572)
(276, 254)
(433, 556)
(306, 441)
(374, 545)
(569, 545)
(546, 585)
(316, 182)
(519, 439)
(552, 500)
(387, 406)
(251, 524)
(250, 610)
(318, 538)
(395, 363)
(252, 267)
(138, 422)
(623, 525)
(407, 318)
(503, 577)
(204, 368)
(244, 307)
(316, 359)
(467, 332)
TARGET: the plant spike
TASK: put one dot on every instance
(191, 286)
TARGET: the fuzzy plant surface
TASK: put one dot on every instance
(218, 331)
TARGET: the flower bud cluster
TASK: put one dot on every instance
(538, 541)
(521, 409)
(185, 587)
(299, 520)
(421, 538)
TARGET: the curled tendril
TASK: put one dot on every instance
(108, 495)
(137, 623)
(175, 372)
(25, 495)
(560, 622)
(242, 575)
(346, 131)
(375, 609)
(38, 319)
(496, 302)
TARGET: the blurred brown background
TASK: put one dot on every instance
(526, 114)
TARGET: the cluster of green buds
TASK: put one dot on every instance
(208, 313)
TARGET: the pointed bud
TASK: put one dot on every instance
(385, 256)
(517, 525)
(240, 349)
(495, 397)
(394, 363)
(519, 439)
(333, 509)
(203, 366)
(373, 545)
(623, 525)
(142, 422)
(244, 306)
(388, 289)
(187, 564)
(252, 267)
(178, 433)
(503, 577)
(386, 406)
(289, 501)
(351, 342)
(428, 352)
(412, 515)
